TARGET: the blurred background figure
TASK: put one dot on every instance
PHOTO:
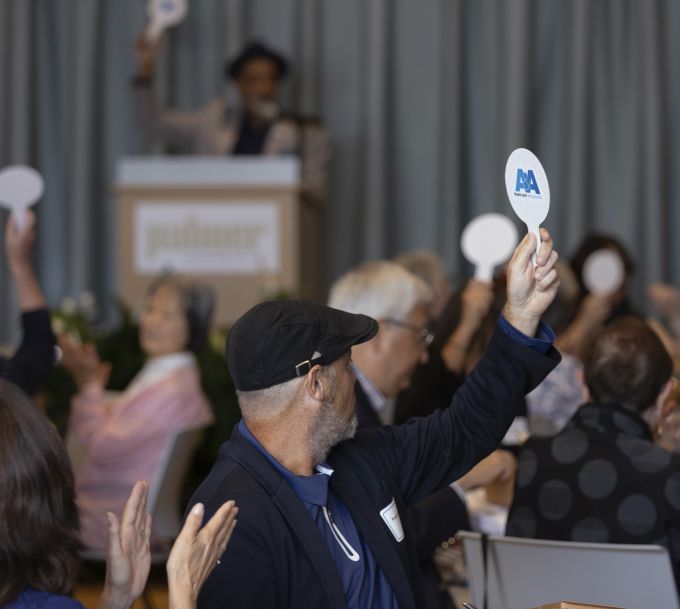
(35, 355)
(122, 438)
(430, 267)
(557, 398)
(253, 125)
(456, 319)
(619, 301)
(665, 301)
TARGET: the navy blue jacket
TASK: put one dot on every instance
(277, 558)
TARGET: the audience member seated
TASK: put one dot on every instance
(401, 303)
(556, 399)
(33, 360)
(458, 322)
(430, 267)
(326, 521)
(221, 127)
(124, 436)
(603, 479)
(39, 540)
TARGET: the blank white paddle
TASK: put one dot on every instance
(487, 241)
(162, 15)
(603, 272)
(20, 187)
(528, 190)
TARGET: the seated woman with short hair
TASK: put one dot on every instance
(124, 437)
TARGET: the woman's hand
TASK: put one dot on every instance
(83, 362)
(128, 553)
(196, 553)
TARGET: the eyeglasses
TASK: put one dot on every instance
(423, 333)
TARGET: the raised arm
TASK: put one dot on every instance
(426, 454)
(18, 249)
(33, 359)
(175, 127)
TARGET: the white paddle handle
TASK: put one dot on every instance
(536, 230)
(154, 30)
(20, 217)
(484, 272)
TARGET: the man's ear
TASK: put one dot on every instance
(315, 387)
(379, 341)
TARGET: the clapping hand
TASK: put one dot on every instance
(128, 553)
(196, 553)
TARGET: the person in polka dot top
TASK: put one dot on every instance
(602, 479)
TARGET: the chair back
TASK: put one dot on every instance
(521, 573)
(166, 489)
(476, 568)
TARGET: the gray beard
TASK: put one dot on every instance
(328, 430)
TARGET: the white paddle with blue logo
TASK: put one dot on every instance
(487, 241)
(528, 190)
(162, 15)
(20, 187)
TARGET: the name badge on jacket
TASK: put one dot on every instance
(390, 515)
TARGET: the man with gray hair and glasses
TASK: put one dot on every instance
(322, 506)
(401, 303)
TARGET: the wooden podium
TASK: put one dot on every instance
(237, 224)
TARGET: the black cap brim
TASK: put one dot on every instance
(267, 345)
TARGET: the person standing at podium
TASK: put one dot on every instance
(255, 126)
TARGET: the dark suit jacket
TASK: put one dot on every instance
(277, 557)
(433, 520)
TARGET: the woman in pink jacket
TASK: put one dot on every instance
(122, 437)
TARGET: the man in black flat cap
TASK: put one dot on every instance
(254, 127)
(322, 506)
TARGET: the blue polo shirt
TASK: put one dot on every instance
(364, 582)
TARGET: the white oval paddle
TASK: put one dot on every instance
(528, 190)
(20, 187)
(487, 241)
(603, 272)
(162, 15)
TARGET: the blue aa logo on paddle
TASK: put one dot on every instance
(528, 190)
(526, 183)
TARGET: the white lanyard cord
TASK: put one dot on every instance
(349, 551)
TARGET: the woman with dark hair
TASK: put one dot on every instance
(619, 303)
(38, 517)
(123, 437)
(39, 540)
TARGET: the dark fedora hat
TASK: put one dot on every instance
(256, 50)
